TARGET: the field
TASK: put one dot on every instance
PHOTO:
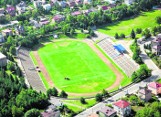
(78, 62)
(144, 20)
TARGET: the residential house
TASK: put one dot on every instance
(11, 10)
(2, 11)
(21, 7)
(1, 38)
(2, 15)
(44, 21)
(58, 18)
(3, 60)
(104, 8)
(107, 112)
(78, 2)
(53, 2)
(76, 13)
(144, 94)
(156, 45)
(19, 30)
(51, 111)
(87, 1)
(122, 107)
(63, 4)
(38, 3)
(47, 7)
(155, 87)
(86, 12)
(7, 32)
(71, 4)
(128, 2)
(35, 24)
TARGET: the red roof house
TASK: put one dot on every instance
(58, 18)
(122, 107)
(155, 87)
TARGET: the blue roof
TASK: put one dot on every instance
(119, 48)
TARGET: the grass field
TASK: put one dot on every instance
(77, 61)
(145, 20)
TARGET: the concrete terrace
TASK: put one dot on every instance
(31, 74)
(122, 60)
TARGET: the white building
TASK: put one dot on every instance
(128, 2)
(3, 60)
(122, 107)
(47, 7)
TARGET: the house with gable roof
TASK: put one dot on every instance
(58, 18)
(122, 107)
(21, 7)
(144, 94)
(11, 10)
(156, 45)
(155, 87)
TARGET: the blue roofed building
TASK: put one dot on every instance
(120, 48)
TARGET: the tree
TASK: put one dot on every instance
(105, 93)
(98, 97)
(122, 35)
(63, 94)
(138, 30)
(158, 20)
(32, 113)
(116, 36)
(82, 100)
(134, 76)
(52, 92)
(17, 112)
(132, 34)
(146, 33)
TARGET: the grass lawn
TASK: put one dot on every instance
(77, 61)
(145, 20)
(159, 80)
(90, 102)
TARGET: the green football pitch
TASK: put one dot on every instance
(77, 61)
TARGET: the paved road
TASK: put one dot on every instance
(156, 73)
(151, 65)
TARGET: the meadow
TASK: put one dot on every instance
(144, 20)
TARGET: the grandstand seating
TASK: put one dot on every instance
(122, 60)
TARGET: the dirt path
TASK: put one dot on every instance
(118, 74)
(43, 69)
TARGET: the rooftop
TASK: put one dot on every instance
(144, 91)
(108, 111)
(122, 104)
(154, 85)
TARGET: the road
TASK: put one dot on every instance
(156, 73)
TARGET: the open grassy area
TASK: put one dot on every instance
(159, 80)
(144, 20)
(72, 104)
(77, 61)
